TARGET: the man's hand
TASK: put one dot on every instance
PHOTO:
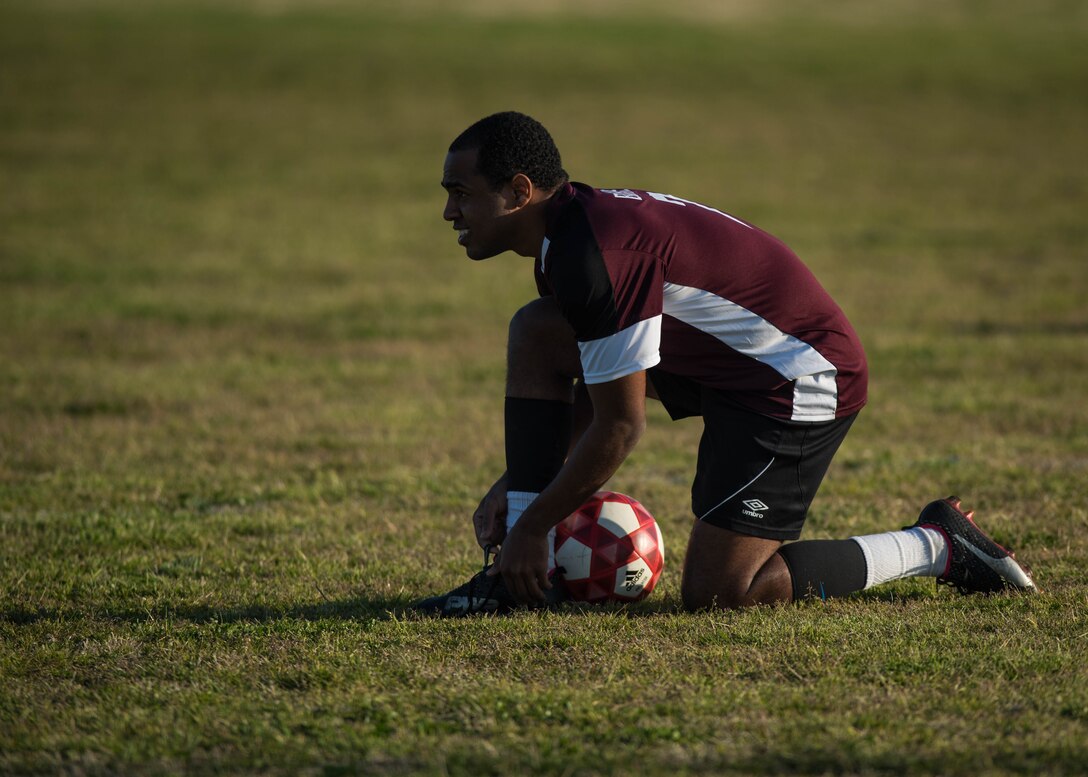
(619, 417)
(523, 564)
(489, 520)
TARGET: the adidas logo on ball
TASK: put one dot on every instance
(633, 579)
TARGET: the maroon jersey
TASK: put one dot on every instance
(649, 279)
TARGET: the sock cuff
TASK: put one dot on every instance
(519, 500)
(516, 504)
(870, 562)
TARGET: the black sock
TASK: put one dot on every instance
(824, 568)
(537, 437)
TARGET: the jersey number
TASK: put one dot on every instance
(682, 202)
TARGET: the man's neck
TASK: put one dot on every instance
(535, 216)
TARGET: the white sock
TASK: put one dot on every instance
(516, 504)
(915, 552)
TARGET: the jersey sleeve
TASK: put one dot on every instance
(613, 300)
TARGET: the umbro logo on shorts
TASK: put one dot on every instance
(756, 508)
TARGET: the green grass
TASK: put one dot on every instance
(250, 389)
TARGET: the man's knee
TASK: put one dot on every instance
(728, 592)
(542, 348)
(538, 322)
(726, 570)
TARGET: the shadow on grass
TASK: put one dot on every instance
(360, 608)
(363, 609)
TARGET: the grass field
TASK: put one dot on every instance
(250, 388)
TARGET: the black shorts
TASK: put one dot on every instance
(756, 475)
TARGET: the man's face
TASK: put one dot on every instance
(479, 214)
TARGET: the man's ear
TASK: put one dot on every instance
(521, 191)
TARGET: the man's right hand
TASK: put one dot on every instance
(489, 520)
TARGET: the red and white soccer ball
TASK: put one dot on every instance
(610, 550)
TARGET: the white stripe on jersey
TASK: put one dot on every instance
(815, 397)
(638, 347)
(815, 394)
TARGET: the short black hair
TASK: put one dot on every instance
(509, 143)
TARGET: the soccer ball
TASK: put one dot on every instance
(609, 550)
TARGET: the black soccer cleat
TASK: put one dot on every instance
(484, 593)
(976, 564)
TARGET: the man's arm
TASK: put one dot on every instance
(619, 418)
(582, 415)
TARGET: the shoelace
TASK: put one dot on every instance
(489, 551)
(494, 582)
